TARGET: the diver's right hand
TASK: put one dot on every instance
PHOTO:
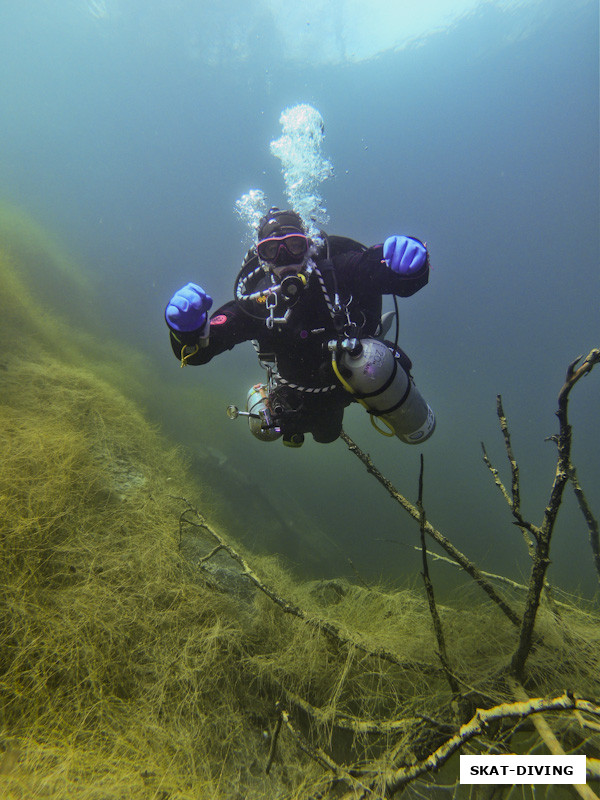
(187, 310)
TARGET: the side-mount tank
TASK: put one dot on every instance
(259, 419)
(376, 376)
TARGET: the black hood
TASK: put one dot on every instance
(279, 223)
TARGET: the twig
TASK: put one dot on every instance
(496, 476)
(586, 723)
(438, 557)
(514, 467)
(477, 725)
(445, 543)
(437, 623)
(525, 526)
(359, 577)
(358, 725)
(544, 532)
(591, 521)
(546, 734)
(316, 753)
(324, 760)
(208, 556)
(274, 739)
(321, 625)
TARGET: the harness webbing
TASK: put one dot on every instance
(330, 306)
(307, 389)
(334, 308)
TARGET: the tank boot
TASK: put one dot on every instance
(293, 440)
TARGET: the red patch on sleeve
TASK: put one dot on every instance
(218, 320)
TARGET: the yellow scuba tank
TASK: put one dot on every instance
(375, 376)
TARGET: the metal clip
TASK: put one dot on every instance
(349, 327)
(271, 302)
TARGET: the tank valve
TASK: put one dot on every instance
(258, 414)
(352, 346)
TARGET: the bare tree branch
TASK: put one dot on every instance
(452, 551)
(542, 555)
(526, 527)
(325, 760)
(274, 739)
(477, 725)
(591, 521)
(514, 467)
(329, 629)
(547, 736)
(437, 623)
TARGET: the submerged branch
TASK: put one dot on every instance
(326, 762)
(445, 543)
(526, 527)
(323, 626)
(546, 734)
(590, 519)
(491, 575)
(514, 467)
(347, 722)
(437, 623)
(478, 724)
(274, 739)
(562, 475)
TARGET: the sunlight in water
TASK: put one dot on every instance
(354, 30)
(98, 9)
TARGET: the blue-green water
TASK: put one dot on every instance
(130, 129)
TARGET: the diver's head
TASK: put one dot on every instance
(282, 241)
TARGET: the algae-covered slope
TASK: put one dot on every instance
(134, 664)
(98, 623)
(116, 666)
(48, 305)
(39, 277)
(122, 672)
(144, 655)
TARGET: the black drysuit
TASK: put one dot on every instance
(310, 389)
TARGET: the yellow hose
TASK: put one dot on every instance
(187, 351)
(349, 389)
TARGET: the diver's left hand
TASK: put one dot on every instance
(404, 255)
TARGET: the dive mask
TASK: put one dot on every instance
(283, 250)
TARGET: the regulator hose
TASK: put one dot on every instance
(348, 388)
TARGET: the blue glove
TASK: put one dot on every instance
(404, 255)
(186, 311)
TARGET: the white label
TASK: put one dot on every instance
(515, 769)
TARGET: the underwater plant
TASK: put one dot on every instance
(146, 655)
(486, 713)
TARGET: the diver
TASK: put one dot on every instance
(312, 308)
